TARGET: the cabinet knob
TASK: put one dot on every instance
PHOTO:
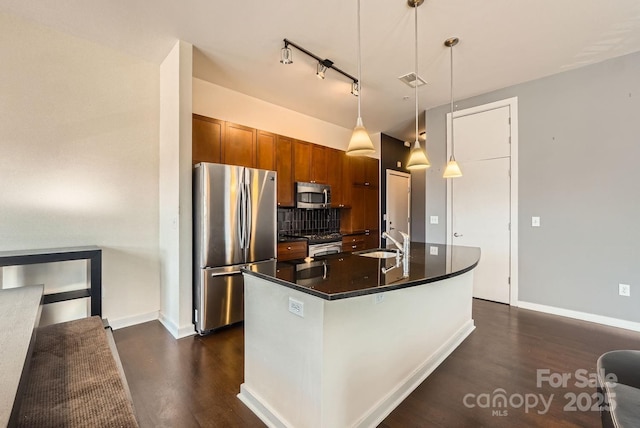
(288, 248)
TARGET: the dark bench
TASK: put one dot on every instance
(619, 384)
(75, 379)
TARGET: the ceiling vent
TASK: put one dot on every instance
(410, 79)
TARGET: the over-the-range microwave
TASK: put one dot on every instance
(313, 195)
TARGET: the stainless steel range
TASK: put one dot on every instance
(323, 244)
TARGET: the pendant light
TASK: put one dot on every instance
(360, 143)
(418, 158)
(453, 169)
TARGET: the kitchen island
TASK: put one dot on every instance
(341, 340)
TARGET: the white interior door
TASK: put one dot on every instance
(398, 203)
(481, 198)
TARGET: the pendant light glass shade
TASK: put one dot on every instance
(452, 170)
(418, 158)
(360, 143)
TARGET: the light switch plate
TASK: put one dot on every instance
(433, 251)
(433, 219)
(535, 221)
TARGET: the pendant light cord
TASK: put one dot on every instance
(416, 69)
(359, 66)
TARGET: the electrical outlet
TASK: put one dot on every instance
(378, 298)
(433, 251)
(535, 221)
(624, 290)
(296, 307)
(433, 219)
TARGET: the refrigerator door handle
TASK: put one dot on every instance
(248, 220)
(241, 216)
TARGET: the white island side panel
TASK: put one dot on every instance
(377, 352)
(348, 362)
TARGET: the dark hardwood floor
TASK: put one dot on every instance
(193, 382)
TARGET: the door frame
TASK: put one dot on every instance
(512, 103)
(386, 208)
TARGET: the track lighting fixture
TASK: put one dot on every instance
(323, 64)
(418, 157)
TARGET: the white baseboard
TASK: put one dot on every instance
(392, 400)
(583, 316)
(132, 320)
(258, 406)
(176, 332)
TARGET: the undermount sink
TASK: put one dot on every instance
(380, 253)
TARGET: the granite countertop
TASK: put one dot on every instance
(344, 275)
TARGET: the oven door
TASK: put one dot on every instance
(325, 249)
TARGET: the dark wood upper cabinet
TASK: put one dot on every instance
(364, 171)
(371, 172)
(266, 150)
(335, 162)
(319, 161)
(301, 161)
(207, 137)
(310, 162)
(239, 145)
(353, 179)
(284, 168)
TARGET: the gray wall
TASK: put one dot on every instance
(579, 142)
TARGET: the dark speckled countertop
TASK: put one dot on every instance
(344, 275)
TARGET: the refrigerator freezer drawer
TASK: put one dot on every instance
(221, 299)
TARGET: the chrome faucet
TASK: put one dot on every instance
(404, 247)
(403, 250)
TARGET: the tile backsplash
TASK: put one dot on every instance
(295, 221)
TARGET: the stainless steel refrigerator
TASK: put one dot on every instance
(234, 211)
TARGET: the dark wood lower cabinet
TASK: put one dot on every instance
(292, 250)
(360, 241)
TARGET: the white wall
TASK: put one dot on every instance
(577, 170)
(79, 158)
(221, 103)
(175, 191)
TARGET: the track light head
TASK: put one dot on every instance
(322, 67)
(355, 88)
(286, 56)
(321, 70)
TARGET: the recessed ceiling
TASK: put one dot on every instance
(237, 45)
